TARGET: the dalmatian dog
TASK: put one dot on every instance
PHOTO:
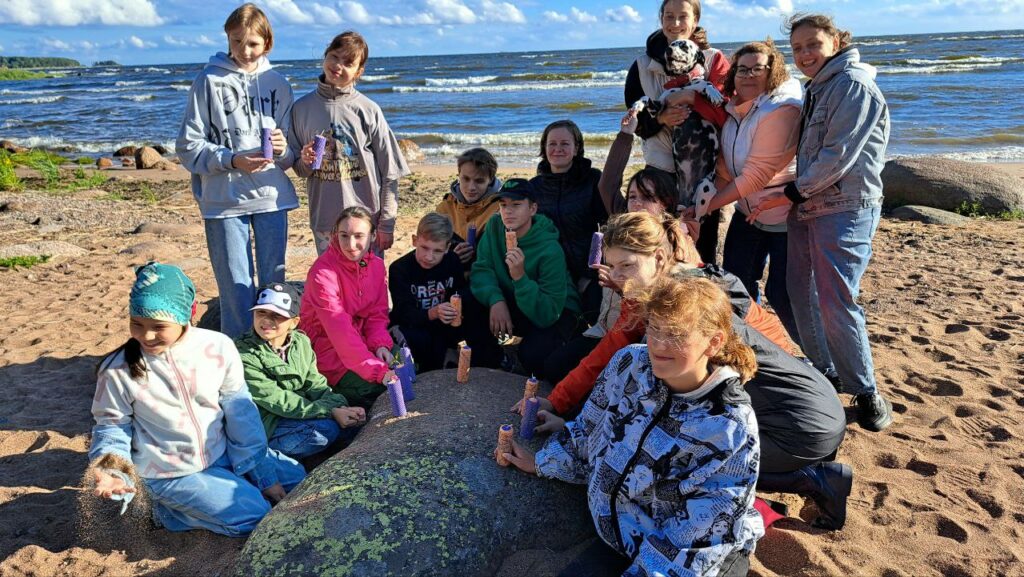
(695, 142)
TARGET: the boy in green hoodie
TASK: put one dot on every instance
(300, 412)
(526, 288)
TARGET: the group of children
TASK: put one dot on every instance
(215, 428)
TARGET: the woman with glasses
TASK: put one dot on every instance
(680, 20)
(757, 161)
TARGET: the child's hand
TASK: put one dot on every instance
(279, 142)
(692, 227)
(604, 278)
(629, 122)
(348, 416)
(465, 252)
(307, 155)
(445, 313)
(249, 164)
(521, 458)
(108, 485)
(516, 261)
(544, 405)
(384, 354)
(548, 422)
(390, 374)
(274, 493)
(385, 240)
(501, 320)
(767, 204)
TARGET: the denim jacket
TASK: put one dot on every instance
(844, 132)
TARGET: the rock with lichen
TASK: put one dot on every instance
(421, 495)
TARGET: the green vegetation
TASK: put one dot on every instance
(8, 180)
(975, 210)
(36, 62)
(106, 63)
(23, 261)
(44, 164)
(84, 161)
(8, 74)
(48, 166)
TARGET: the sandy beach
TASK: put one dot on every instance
(936, 494)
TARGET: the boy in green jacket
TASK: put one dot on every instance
(527, 287)
(301, 413)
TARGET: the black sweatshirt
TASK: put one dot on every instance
(414, 289)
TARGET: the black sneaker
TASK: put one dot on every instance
(874, 413)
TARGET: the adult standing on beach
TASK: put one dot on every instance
(680, 20)
(757, 160)
(837, 198)
(567, 193)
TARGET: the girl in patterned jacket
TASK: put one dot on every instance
(667, 444)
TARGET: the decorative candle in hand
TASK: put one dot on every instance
(319, 144)
(471, 235)
(397, 400)
(268, 145)
(504, 444)
(595, 249)
(510, 240)
(456, 301)
(462, 375)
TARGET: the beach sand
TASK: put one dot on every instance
(938, 493)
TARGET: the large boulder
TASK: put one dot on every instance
(950, 184)
(410, 150)
(146, 158)
(11, 147)
(421, 495)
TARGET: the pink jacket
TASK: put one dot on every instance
(345, 314)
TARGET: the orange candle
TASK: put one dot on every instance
(510, 240)
(462, 375)
(531, 389)
(504, 444)
(456, 301)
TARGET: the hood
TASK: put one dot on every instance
(491, 191)
(332, 92)
(788, 90)
(657, 44)
(580, 166)
(847, 58)
(542, 233)
(222, 60)
(344, 262)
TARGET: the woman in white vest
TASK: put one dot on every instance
(757, 161)
(679, 21)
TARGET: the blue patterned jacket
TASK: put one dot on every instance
(670, 479)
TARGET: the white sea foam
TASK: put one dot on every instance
(993, 154)
(105, 74)
(37, 100)
(499, 139)
(55, 142)
(994, 37)
(471, 80)
(510, 87)
(180, 87)
(377, 77)
(877, 43)
(138, 97)
(161, 70)
(12, 122)
(4, 91)
(129, 82)
(937, 68)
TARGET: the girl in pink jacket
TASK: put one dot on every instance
(345, 311)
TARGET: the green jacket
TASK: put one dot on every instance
(292, 390)
(544, 291)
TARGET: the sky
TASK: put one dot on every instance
(181, 31)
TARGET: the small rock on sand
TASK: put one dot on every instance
(51, 248)
(168, 229)
(154, 250)
(929, 215)
(104, 163)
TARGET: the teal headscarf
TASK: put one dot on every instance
(162, 292)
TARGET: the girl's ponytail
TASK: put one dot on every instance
(737, 355)
(700, 38)
(132, 357)
(681, 246)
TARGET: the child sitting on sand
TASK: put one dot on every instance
(520, 275)
(472, 200)
(346, 311)
(171, 407)
(300, 412)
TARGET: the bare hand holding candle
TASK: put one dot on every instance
(529, 418)
(511, 241)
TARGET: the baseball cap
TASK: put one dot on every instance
(517, 189)
(281, 298)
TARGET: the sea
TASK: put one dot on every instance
(959, 95)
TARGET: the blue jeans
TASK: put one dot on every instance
(300, 438)
(216, 499)
(827, 257)
(230, 246)
(747, 248)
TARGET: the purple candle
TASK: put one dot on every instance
(405, 373)
(319, 143)
(529, 418)
(410, 365)
(395, 395)
(595, 248)
(268, 146)
(471, 235)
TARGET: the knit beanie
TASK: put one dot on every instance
(162, 292)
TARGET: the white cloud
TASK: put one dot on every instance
(502, 12)
(624, 13)
(356, 13)
(580, 16)
(65, 13)
(204, 40)
(54, 44)
(451, 11)
(201, 40)
(414, 20)
(553, 16)
(172, 41)
(324, 15)
(140, 43)
(288, 11)
(751, 8)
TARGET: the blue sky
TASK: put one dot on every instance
(173, 31)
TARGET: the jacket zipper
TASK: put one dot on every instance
(732, 156)
(188, 409)
(662, 412)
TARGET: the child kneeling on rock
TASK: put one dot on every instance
(172, 408)
(300, 412)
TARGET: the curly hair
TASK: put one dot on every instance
(777, 72)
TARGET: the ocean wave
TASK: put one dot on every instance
(5, 91)
(1016, 137)
(138, 97)
(180, 87)
(106, 74)
(37, 100)
(11, 123)
(880, 42)
(553, 76)
(993, 154)
(58, 143)
(469, 81)
(378, 77)
(994, 37)
(515, 139)
(509, 87)
(937, 69)
(129, 82)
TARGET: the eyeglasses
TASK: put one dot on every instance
(759, 70)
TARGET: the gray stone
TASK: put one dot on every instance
(929, 215)
(421, 495)
(154, 250)
(168, 229)
(52, 248)
(947, 184)
(125, 151)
